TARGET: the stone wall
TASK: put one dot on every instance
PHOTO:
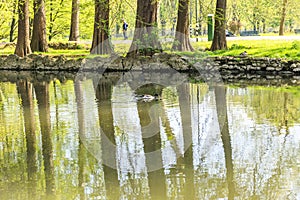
(249, 64)
(161, 61)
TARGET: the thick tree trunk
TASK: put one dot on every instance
(283, 15)
(23, 42)
(39, 38)
(219, 41)
(145, 39)
(182, 36)
(74, 30)
(101, 41)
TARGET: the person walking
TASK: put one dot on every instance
(125, 26)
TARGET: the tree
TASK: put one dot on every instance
(283, 15)
(39, 38)
(145, 39)
(74, 30)
(58, 12)
(101, 41)
(23, 42)
(182, 36)
(13, 22)
(219, 41)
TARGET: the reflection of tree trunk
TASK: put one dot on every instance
(103, 90)
(185, 110)
(285, 112)
(42, 95)
(81, 126)
(81, 164)
(220, 93)
(152, 144)
(25, 89)
(56, 104)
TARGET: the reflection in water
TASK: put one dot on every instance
(25, 89)
(42, 95)
(221, 103)
(197, 142)
(131, 161)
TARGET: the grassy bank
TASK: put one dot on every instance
(289, 50)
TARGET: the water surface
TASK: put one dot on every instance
(93, 139)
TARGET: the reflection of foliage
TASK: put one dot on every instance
(151, 89)
(170, 96)
(278, 105)
(199, 91)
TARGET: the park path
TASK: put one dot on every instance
(202, 39)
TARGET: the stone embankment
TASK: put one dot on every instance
(161, 61)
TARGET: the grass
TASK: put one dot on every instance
(289, 50)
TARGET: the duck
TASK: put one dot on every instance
(244, 54)
(147, 97)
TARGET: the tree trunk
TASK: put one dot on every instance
(101, 41)
(13, 22)
(74, 31)
(182, 36)
(283, 15)
(51, 20)
(145, 39)
(23, 42)
(219, 41)
(39, 38)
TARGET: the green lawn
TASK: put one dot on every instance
(257, 48)
(289, 50)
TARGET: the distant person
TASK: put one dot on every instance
(125, 26)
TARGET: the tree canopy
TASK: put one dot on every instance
(279, 16)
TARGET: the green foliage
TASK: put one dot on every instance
(237, 46)
(296, 45)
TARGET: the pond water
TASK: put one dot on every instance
(93, 138)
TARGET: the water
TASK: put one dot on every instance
(92, 139)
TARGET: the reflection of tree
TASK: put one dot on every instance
(185, 111)
(103, 91)
(42, 95)
(25, 89)
(81, 130)
(220, 94)
(149, 119)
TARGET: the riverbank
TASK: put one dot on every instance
(160, 61)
